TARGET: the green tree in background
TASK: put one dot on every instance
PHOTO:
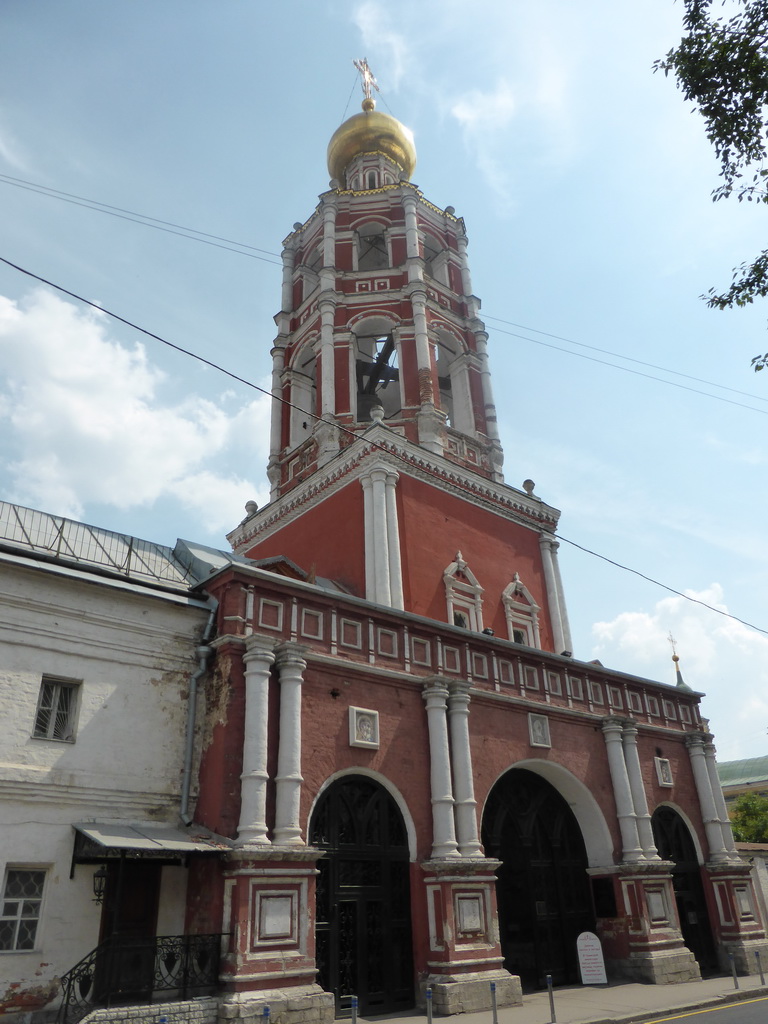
(749, 819)
(721, 65)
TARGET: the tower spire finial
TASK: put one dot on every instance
(368, 82)
(680, 682)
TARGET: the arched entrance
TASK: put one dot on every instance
(674, 842)
(542, 885)
(363, 923)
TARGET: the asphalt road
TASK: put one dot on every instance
(747, 1011)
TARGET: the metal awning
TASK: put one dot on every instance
(96, 842)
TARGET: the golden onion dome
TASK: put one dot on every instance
(371, 132)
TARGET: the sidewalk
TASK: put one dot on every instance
(600, 1004)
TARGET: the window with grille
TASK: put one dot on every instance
(56, 711)
(22, 900)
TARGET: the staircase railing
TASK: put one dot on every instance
(124, 971)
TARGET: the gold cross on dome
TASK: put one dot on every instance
(367, 77)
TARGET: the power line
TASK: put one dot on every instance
(353, 434)
(249, 250)
(631, 359)
(140, 218)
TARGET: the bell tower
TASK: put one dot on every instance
(385, 463)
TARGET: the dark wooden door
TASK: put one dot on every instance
(126, 968)
(363, 920)
(674, 843)
(542, 887)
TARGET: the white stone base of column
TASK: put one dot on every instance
(305, 1004)
(743, 952)
(656, 967)
(471, 993)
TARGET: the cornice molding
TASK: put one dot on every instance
(398, 454)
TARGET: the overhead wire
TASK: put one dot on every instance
(352, 433)
(245, 249)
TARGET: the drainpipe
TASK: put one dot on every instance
(203, 654)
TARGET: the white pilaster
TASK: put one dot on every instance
(612, 730)
(444, 843)
(546, 542)
(461, 762)
(290, 665)
(637, 788)
(717, 793)
(567, 642)
(327, 305)
(412, 249)
(276, 419)
(383, 569)
(289, 258)
(393, 542)
(258, 659)
(717, 849)
(329, 230)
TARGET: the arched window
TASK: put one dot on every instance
(303, 395)
(463, 595)
(522, 614)
(372, 179)
(376, 369)
(372, 248)
(453, 381)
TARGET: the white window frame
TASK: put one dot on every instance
(18, 916)
(464, 597)
(70, 724)
(522, 612)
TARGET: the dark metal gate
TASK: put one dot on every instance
(363, 925)
(674, 842)
(542, 885)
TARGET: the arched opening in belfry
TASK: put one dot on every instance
(372, 247)
(303, 397)
(363, 909)
(674, 842)
(453, 382)
(542, 887)
(377, 371)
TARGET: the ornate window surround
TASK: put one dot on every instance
(464, 595)
(522, 612)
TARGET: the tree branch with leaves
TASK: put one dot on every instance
(721, 65)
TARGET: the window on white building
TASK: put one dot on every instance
(20, 910)
(522, 614)
(463, 595)
(56, 713)
(372, 249)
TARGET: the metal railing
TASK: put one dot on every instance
(124, 971)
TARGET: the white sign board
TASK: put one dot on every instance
(591, 963)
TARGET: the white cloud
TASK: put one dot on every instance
(718, 655)
(375, 25)
(87, 421)
(482, 116)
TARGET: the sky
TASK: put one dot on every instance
(585, 182)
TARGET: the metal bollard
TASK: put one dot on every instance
(493, 1003)
(551, 999)
(733, 970)
(353, 1004)
(760, 967)
(428, 994)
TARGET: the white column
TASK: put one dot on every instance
(639, 799)
(568, 643)
(545, 542)
(695, 744)
(466, 280)
(327, 305)
(444, 844)
(461, 762)
(423, 356)
(383, 568)
(393, 542)
(631, 851)
(717, 793)
(412, 249)
(276, 418)
(290, 665)
(481, 341)
(380, 539)
(258, 659)
(289, 258)
(329, 231)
